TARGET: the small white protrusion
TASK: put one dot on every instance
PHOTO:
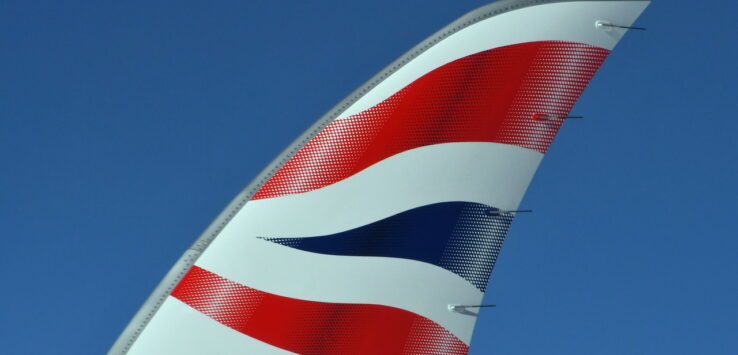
(603, 25)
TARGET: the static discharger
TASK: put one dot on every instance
(605, 25)
(463, 307)
(498, 212)
(547, 117)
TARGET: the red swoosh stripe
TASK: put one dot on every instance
(490, 96)
(308, 327)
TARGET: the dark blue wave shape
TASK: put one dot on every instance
(462, 237)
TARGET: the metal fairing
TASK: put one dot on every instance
(388, 198)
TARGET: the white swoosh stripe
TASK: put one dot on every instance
(564, 21)
(491, 173)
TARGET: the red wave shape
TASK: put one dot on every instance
(491, 96)
(308, 327)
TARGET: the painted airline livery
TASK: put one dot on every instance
(376, 231)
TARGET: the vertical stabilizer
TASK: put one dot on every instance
(395, 204)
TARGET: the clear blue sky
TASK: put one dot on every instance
(126, 126)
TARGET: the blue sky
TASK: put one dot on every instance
(125, 127)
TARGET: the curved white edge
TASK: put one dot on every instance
(149, 310)
(561, 21)
(179, 329)
(153, 303)
(489, 173)
(418, 287)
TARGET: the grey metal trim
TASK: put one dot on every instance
(165, 287)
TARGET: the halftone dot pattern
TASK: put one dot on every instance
(227, 302)
(475, 243)
(309, 327)
(553, 83)
(457, 236)
(421, 345)
(491, 96)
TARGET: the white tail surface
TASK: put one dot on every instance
(360, 235)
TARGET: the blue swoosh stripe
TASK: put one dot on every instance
(461, 237)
